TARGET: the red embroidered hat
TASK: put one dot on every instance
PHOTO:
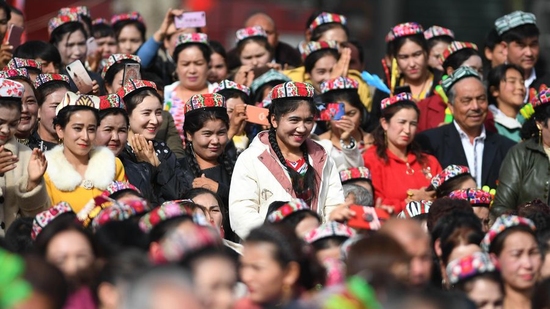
(127, 16)
(167, 210)
(293, 206)
(202, 101)
(454, 47)
(309, 48)
(328, 18)
(437, 31)
(227, 84)
(117, 186)
(11, 89)
(402, 97)
(245, 33)
(44, 218)
(404, 29)
(80, 10)
(60, 20)
(190, 38)
(339, 83)
(501, 224)
(464, 268)
(327, 230)
(20, 63)
(117, 58)
(119, 212)
(15, 73)
(111, 101)
(355, 173)
(133, 85)
(43, 79)
(447, 174)
(475, 196)
(292, 90)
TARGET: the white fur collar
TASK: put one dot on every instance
(100, 172)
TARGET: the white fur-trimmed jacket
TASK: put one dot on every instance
(14, 198)
(260, 179)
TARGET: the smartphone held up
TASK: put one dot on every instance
(80, 76)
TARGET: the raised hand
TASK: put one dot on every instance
(36, 168)
(144, 150)
(238, 120)
(346, 127)
(207, 183)
(342, 66)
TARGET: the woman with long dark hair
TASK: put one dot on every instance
(283, 163)
(400, 171)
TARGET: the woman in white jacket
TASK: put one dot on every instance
(283, 163)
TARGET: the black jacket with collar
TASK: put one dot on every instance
(444, 143)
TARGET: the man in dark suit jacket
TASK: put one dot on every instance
(465, 141)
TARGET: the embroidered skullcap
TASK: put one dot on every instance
(327, 230)
(453, 48)
(293, 206)
(11, 89)
(404, 29)
(250, 32)
(339, 83)
(369, 218)
(415, 208)
(44, 218)
(111, 101)
(475, 196)
(355, 173)
(437, 31)
(117, 186)
(20, 63)
(328, 18)
(100, 21)
(456, 76)
(447, 174)
(133, 85)
(401, 97)
(168, 210)
(119, 212)
(501, 224)
(192, 38)
(477, 263)
(135, 16)
(79, 10)
(92, 209)
(117, 58)
(60, 20)
(15, 73)
(267, 77)
(314, 46)
(292, 90)
(227, 84)
(514, 20)
(179, 244)
(73, 99)
(43, 79)
(541, 98)
(202, 101)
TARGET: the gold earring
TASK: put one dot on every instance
(60, 141)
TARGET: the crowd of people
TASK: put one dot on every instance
(268, 175)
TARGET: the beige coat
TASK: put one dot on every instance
(14, 198)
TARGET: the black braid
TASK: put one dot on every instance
(195, 168)
(294, 176)
(228, 164)
(309, 178)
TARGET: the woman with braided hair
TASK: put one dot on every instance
(284, 163)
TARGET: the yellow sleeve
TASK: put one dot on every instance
(364, 90)
(120, 174)
(296, 74)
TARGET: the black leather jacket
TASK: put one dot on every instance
(524, 176)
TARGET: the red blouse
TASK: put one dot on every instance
(392, 180)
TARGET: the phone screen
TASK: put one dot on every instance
(190, 20)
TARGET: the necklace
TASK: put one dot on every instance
(410, 170)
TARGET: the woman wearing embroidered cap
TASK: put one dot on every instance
(283, 162)
(113, 71)
(22, 189)
(512, 241)
(192, 57)
(130, 31)
(78, 171)
(151, 166)
(438, 39)
(400, 171)
(253, 49)
(525, 171)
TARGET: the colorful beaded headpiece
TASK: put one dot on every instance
(339, 83)
(501, 224)
(477, 263)
(44, 218)
(116, 58)
(328, 18)
(437, 31)
(355, 173)
(80, 10)
(454, 47)
(127, 16)
(314, 46)
(293, 206)
(476, 197)
(60, 20)
(329, 229)
(447, 174)
(134, 85)
(111, 101)
(117, 186)
(513, 20)
(404, 29)
(119, 212)
(401, 97)
(180, 243)
(192, 38)
(43, 79)
(227, 84)
(20, 63)
(202, 101)
(250, 32)
(167, 210)
(292, 90)
(14, 73)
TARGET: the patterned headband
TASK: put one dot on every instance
(401, 97)
(328, 18)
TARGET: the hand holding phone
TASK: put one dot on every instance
(131, 71)
(190, 20)
(80, 76)
(331, 111)
(13, 36)
(257, 115)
